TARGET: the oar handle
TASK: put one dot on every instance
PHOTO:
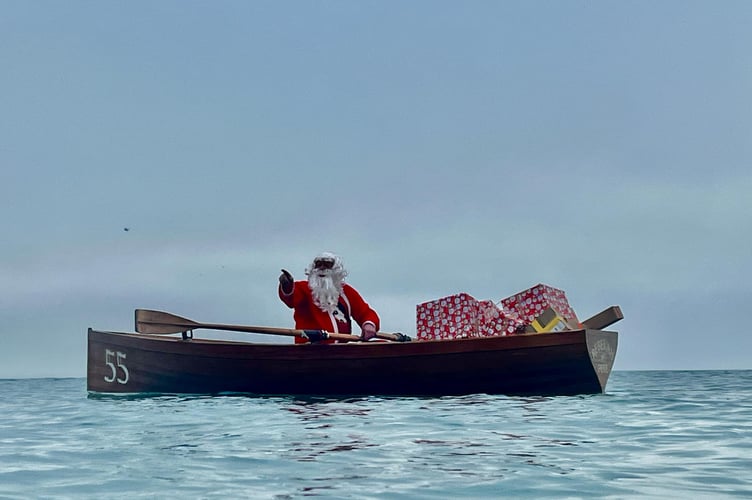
(394, 337)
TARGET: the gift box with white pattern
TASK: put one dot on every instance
(531, 303)
(452, 317)
(463, 316)
(494, 320)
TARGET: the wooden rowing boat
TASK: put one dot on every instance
(561, 363)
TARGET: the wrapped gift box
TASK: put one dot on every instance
(463, 316)
(531, 303)
(497, 320)
(455, 316)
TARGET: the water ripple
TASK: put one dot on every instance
(655, 434)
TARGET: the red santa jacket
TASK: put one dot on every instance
(308, 316)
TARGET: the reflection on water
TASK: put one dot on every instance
(313, 411)
(448, 434)
(324, 419)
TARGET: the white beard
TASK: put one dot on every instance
(325, 289)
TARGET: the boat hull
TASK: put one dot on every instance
(563, 363)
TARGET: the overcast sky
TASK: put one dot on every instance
(603, 148)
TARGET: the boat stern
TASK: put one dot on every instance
(601, 346)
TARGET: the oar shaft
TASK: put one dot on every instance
(273, 331)
(158, 322)
(295, 333)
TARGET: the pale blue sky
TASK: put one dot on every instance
(600, 147)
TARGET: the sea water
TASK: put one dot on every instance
(660, 434)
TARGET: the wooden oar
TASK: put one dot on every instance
(162, 323)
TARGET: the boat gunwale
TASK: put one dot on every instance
(241, 349)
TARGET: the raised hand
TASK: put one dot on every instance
(286, 281)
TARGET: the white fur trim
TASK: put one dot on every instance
(333, 319)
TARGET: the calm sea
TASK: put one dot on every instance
(662, 434)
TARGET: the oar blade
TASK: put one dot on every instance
(161, 323)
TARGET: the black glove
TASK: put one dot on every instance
(286, 281)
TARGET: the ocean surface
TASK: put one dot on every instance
(660, 434)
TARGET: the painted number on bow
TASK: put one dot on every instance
(115, 360)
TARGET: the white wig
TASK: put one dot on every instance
(339, 273)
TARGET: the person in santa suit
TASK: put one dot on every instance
(325, 301)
